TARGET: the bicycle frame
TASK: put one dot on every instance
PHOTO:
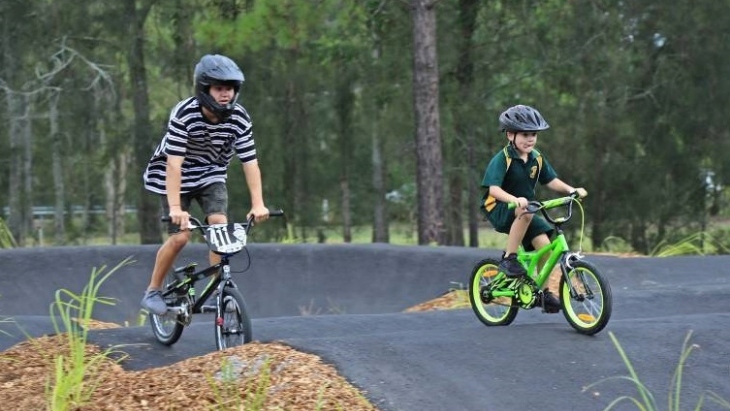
(552, 253)
(191, 277)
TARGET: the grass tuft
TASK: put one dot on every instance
(77, 371)
(6, 236)
(646, 401)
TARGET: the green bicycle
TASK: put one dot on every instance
(585, 295)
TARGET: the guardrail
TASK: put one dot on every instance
(43, 211)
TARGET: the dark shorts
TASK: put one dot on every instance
(502, 218)
(212, 199)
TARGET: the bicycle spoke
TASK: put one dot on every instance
(486, 280)
(587, 298)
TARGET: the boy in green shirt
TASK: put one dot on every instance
(511, 177)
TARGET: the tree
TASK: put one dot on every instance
(460, 145)
(14, 77)
(429, 173)
(148, 208)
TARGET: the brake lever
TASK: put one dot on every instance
(533, 207)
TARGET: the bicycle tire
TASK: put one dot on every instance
(586, 314)
(493, 312)
(168, 328)
(232, 323)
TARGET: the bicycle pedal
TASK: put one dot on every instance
(175, 309)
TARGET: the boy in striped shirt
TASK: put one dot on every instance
(190, 163)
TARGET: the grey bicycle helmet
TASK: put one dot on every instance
(216, 69)
(522, 118)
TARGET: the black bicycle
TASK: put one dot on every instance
(232, 321)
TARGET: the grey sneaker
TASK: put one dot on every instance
(153, 302)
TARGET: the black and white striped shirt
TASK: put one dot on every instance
(208, 148)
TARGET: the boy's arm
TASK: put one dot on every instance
(173, 178)
(253, 179)
(505, 197)
(560, 186)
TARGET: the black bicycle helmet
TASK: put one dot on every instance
(522, 118)
(216, 69)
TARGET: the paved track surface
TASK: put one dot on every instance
(431, 361)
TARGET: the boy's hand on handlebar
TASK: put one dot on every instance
(179, 217)
(582, 193)
(259, 214)
(519, 202)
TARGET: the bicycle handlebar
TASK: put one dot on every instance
(197, 224)
(535, 206)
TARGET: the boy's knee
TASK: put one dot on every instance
(178, 240)
(540, 241)
(525, 218)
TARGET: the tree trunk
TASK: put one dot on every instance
(455, 225)
(472, 193)
(296, 158)
(15, 212)
(59, 189)
(148, 208)
(343, 105)
(429, 161)
(27, 141)
(465, 133)
(380, 206)
(380, 211)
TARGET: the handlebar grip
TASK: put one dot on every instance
(576, 195)
(276, 213)
(194, 222)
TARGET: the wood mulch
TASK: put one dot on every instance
(255, 376)
(252, 377)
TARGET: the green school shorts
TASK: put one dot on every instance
(502, 218)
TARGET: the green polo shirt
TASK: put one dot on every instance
(520, 179)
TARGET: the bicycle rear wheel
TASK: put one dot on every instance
(168, 327)
(589, 311)
(232, 323)
(489, 310)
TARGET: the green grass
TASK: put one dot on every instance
(644, 399)
(225, 387)
(6, 237)
(77, 373)
(400, 234)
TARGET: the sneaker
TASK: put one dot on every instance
(511, 267)
(154, 303)
(549, 302)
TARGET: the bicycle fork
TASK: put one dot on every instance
(566, 266)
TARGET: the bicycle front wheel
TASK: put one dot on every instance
(168, 327)
(232, 323)
(489, 310)
(589, 309)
